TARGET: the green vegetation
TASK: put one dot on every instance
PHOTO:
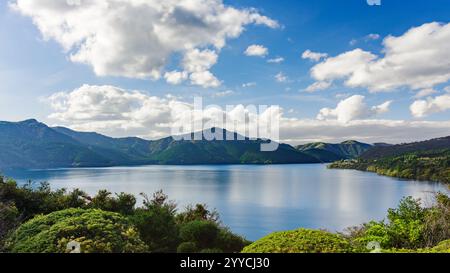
(96, 231)
(410, 228)
(426, 165)
(326, 152)
(37, 219)
(300, 241)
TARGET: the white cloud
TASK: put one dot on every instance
(419, 59)
(298, 131)
(248, 84)
(205, 79)
(117, 112)
(372, 36)
(314, 56)
(175, 77)
(256, 51)
(223, 94)
(353, 108)
(276, 60)
(447, 89)
(422, 108)
(137, 38)
(318, 86)
(280, 77)
(425, 93)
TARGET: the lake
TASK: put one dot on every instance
(255, 200)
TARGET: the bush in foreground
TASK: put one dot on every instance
(97, 231)
(300, 241)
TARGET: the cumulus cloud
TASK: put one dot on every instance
(314, 56)
(176, 77)
(353, 108)
(118, 112)
(422, 108)
(136, 38)
(256, 51)
(418, 59)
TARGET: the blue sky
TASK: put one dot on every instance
(33, 68)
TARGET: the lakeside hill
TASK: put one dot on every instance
(31, 144)
(381, 151)
(426, 160)
(327, 152)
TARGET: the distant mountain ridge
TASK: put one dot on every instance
(327, 152)
(383, 151)
(31, 144)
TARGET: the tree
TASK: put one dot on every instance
(95, 230)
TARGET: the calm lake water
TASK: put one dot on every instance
(255, 200)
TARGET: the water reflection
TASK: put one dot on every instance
(254, 200)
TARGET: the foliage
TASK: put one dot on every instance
(157, 222)
(425, 165)
(199, 212)
(97, 231)
(123, 203)
(9, 220)
(437, 221)
(300, 241)
(442, 247)
(326, 152)
(202, 233)
(187, 247)
(404, 228)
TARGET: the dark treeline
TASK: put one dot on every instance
(423, 166)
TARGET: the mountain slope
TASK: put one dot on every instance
(30, 144)
(396, 150)
(326, 152)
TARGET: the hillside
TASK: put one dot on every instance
(381, 151)
(426, 160)
(31, 144)
(326, 152)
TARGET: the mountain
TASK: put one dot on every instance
(382, 151)
(425, 161)
(326, 152)
(31, 144)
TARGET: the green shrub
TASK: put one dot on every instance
(203, 233)
(442, 247)
(187, 247)
(300, 241)
(211, 251)
(404, 228)
(97, 231)
(229, 242)
(157, 228)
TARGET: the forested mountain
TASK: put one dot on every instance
(426, 160)
(31, 144)
(381, 151)
(327, 152)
